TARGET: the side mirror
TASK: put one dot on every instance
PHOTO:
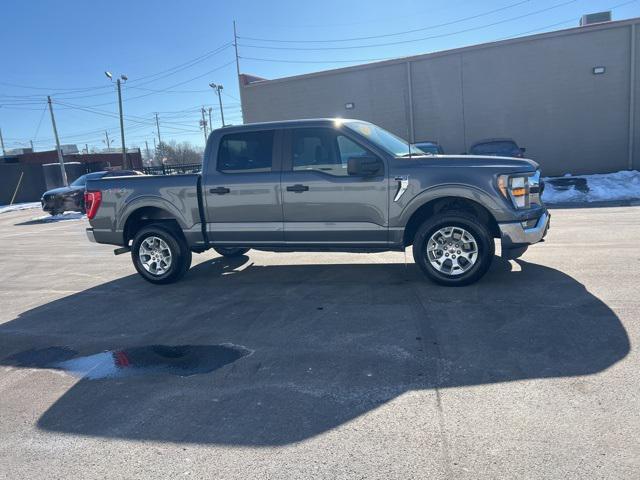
(523, 150)
(364, 166)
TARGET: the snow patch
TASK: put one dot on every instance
(623, 185)
(59, 217)
(19, 206)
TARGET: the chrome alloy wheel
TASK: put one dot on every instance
(155, 255)
(452, 250)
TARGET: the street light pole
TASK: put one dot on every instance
(55, 134)
(210, 122)
(217, 88)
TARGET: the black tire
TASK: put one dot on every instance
(180, 254)
(231, 251)
(484, 241)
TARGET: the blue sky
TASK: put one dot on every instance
(171, 51)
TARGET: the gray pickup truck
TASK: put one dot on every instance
(323, 185)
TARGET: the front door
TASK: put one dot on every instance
(242, 190)
(322, 203)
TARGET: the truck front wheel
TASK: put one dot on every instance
(160, 255)
(453, 249)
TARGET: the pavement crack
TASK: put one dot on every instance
(432, 352)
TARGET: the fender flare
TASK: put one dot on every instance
(467, 192)
(150, 201)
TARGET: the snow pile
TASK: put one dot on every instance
(623, 185)
(19, 206)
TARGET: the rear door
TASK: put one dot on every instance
(242, 189)
(322, 203)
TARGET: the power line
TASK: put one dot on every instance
(35, 136)
(431, 27)
(162, 74)
(279, 60)
(186, 64)
(171, 71)
(170, 87)
(50, 89)
(400, 42)
(545, 27)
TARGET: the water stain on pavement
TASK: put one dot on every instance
(180, 360)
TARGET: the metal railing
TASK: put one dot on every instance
(173, 169)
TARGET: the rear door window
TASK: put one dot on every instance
(246, 152)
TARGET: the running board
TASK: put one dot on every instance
(121, 250)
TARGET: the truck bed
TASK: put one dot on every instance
(171, 196)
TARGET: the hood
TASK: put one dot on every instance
(63, 190)
(505, 164)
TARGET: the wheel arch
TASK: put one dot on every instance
(445, 204)
(148, 215)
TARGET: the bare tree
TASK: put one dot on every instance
(174, 153)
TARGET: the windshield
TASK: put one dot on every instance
(82, 180)
(386, 140)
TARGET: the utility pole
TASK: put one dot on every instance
(203, 122)
(158, 128)
(119, 80)
(2, 143)
(106, 134)
(159, 139)
(210, 122)
(217, 88)
(125, 163)
(146, 144)
(235, 46)
(86, 147)
(55, 134)
(31, 142)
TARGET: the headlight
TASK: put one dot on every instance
(522, 189)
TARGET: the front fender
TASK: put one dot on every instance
(493, 203)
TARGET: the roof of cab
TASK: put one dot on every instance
(287, 123)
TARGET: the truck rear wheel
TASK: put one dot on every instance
(231, 251)
(453, 249)
(160, 255)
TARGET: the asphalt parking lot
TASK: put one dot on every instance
(353, 366)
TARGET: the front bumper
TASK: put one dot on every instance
(90, 235)
(515, 235)
(48, 204)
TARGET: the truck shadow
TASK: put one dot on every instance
(329, 343)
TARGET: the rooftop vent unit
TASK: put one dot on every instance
(592, 18)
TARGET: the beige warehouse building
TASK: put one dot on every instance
(570, 97)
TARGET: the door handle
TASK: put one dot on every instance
(297, 188)
(219, 190)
